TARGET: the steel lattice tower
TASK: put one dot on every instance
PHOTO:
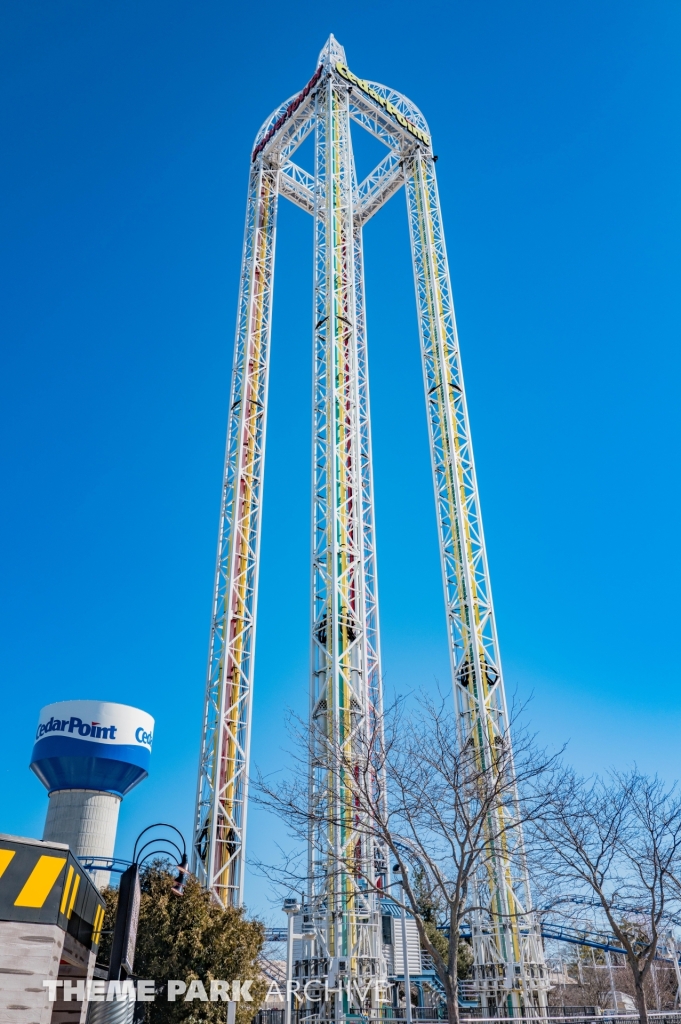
(345, 692)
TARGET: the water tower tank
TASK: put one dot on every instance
(89, 754)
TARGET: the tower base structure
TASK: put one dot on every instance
(332, 983)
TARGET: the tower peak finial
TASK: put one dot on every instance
(332, 51)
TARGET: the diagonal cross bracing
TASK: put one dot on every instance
(379, 186)
(297, 185)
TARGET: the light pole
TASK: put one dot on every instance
(613, 991)
(291, 908)
(405, 950)
(124, 939)
(127, 916)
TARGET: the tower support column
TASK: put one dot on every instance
(345, 687)
(509, 969)
(221, 802)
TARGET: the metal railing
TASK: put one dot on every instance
(554, 1015)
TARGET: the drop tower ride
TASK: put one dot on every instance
(343, 933)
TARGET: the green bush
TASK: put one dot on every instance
(187, 937)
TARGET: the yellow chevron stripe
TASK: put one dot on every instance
(99, 921)
(5, 858)
(40, 882)
(73, 897)
(65, 894)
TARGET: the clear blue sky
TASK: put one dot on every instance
(126, 131)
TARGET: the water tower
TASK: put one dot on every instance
(89, 754)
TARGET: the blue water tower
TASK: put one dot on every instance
(89, 754)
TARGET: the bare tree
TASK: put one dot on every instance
(616, 841)
(431, 804)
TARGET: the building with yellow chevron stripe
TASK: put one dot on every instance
(51, 918)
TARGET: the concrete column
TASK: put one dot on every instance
(86, 819)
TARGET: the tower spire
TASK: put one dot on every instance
(331, 52)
